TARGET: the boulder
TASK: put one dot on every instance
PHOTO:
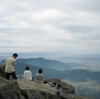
(34, 90)
(66, 87)
(9, 89)
(2, 71)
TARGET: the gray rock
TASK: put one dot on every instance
(2, 71)
(9, 89)
(66, 87)
(53, 80)
(34, 90)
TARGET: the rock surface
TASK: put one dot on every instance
(20, 89)
(34, 90)
(66, 87)
(9, 89)
(2, 73)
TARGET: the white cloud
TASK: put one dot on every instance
(64, 25)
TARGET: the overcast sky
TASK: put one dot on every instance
(49, 26)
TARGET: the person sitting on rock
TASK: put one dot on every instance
(59, 87)
(54, 85)
(39, 76)
(46, 83)
(27, 74)
(9, 64)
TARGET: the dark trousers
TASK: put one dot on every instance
(13, 74)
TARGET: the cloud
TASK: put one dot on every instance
(62, 26)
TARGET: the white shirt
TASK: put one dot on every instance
(27, 75)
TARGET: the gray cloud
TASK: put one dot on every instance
(54, 25)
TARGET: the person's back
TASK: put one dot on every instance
(10, 64)
(39, 76)
(27, 74)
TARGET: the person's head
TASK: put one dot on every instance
(59, 86)
(40, 71)
(27, 68)
(45, 82)
(15, 55)
(54, 84)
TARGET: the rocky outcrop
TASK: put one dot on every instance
(34, 90)
(2, 73)
(9, 89)
(20, 89)
(53, 80)
(66, 87)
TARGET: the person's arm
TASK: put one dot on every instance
(31, 74)
(24, 76)
(42, 78)
(5, 63)
(14, 63)
(60, 91)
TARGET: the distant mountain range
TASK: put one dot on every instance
(73, 75)
(52, 68)
(56, 69)
(51, 64)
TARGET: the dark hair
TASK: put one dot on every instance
(54, 84)
(15, 54)
(45, 82)
(59, 85)
(27, 68)
(40, 71)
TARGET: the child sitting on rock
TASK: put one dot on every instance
(27, 74)
(39, 76)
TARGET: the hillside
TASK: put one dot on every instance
(74, 75)
(51, 64)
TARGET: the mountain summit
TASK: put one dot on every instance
(20, 89)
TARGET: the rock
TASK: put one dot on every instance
(53, 80)
(66, 87)
(9, 89)
(2, 71)
(34, 90)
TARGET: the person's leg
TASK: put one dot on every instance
(14, 75)
(7, 75)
